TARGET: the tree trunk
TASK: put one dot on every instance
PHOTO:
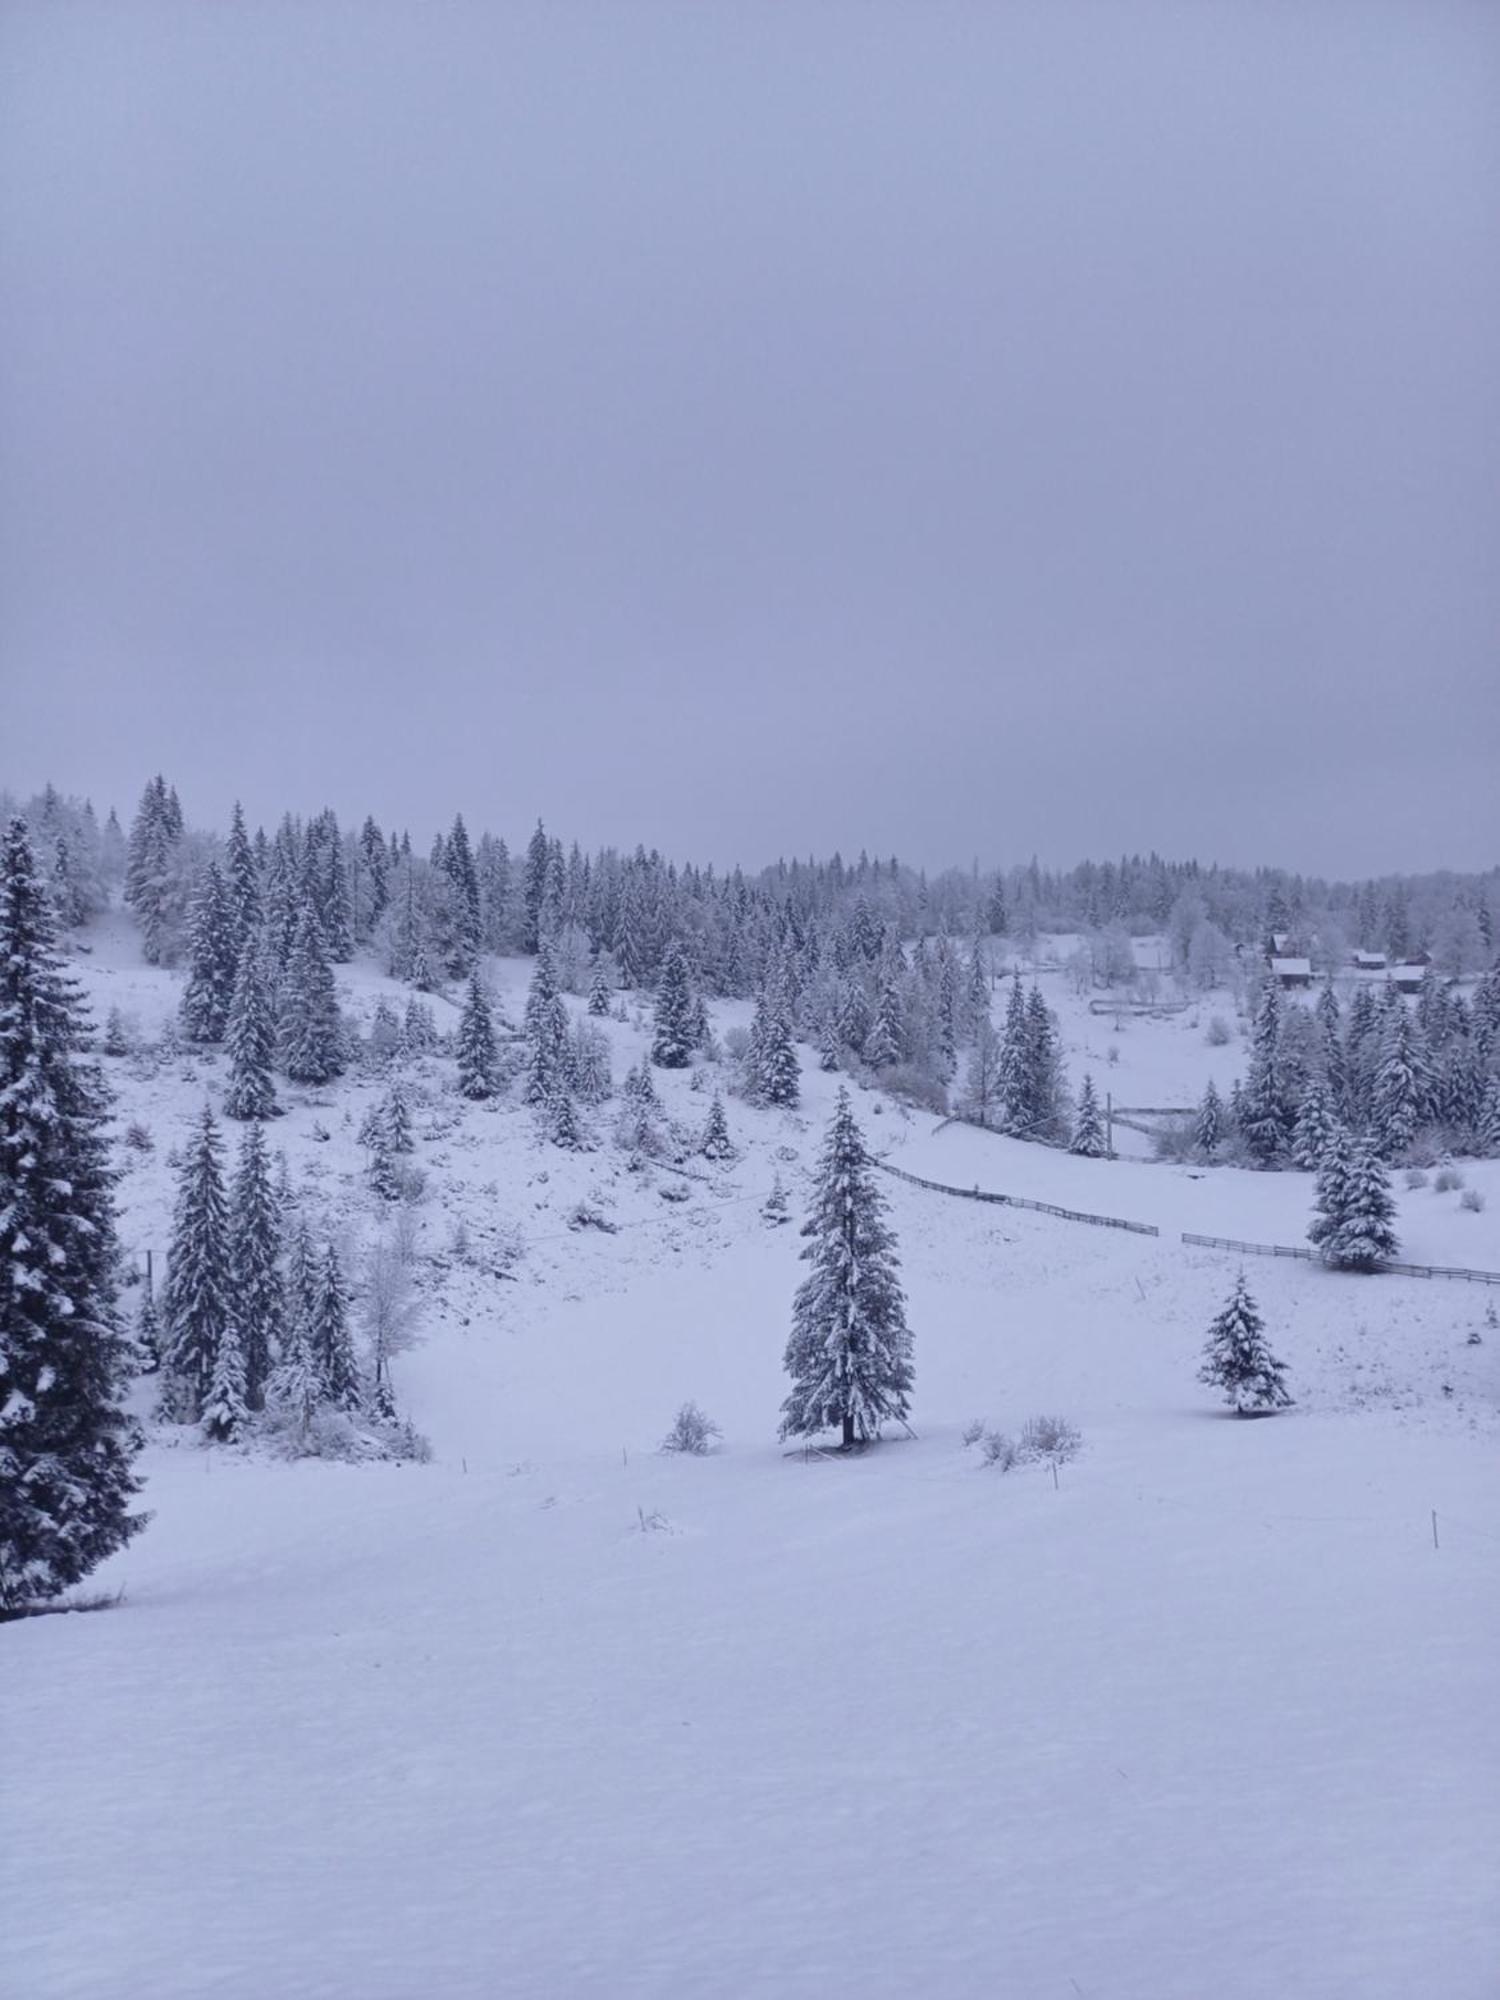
(848, 1432)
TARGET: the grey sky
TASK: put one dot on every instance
(950, 429)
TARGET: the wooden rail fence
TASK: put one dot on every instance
(1020, 1201)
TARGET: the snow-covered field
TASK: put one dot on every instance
(555, 1715)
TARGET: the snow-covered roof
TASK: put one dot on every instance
(1372, 959)
(1292, 968)
(1408, 975)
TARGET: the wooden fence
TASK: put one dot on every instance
(1400, 1270)
(1020, 1201)
(1200, 1242)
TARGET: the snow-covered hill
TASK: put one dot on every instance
(556, 1715)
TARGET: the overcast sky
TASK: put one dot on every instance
(955, 430)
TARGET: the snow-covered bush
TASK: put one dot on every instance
(971, 1433)
(1447, 1179)
(998, 1449)
(584, 1216)
(137, 1138)
(351, 1439)
(1472, 1200)
(1415, 1178)
(1051, 1438)
(693, 1431)
(1219, 1033)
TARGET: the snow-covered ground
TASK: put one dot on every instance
(556, 1715)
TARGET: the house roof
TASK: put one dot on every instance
(1292, 968)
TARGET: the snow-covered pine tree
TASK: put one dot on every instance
(1331, 1050)
(562, 1124)
(884, 1045)
(545, 1025)
(1487, 1124)
(672, 1041)
(601, 987)
(775, 1075)
(66, 1446)
(776, 1208)
(1266, 1115)
(330, 1340)
(458, 863)
(1397, 1086)
(196, 1304)
(478, 1059)
(395, 1121)
(225, 1406)
(716, 1143)
(259, 1299)
(1314, 1127)
(850, 1350)
(830, 1055)
(311, 1038)
(588, 1069)
(1237, 1359)
(1088, 1126)
(153, 871)
(242, 884)
(1039, 1113)
(212, 959)
(148, 1333)
(250, 1039)
(1012, 1075)
(1208, 1128)
(1354, 1212)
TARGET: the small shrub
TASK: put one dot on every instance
(1051, 1438)
(586, 1217)
(138, 1138)
(675, 1191)
(972, 1433)
(1472, 1200)
(1415, 1178)
(1219, 1033)
(998, 1449)
(693, 1431)
(1447, 1179)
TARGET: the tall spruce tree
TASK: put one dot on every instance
(255, 1264)
(1314, 1127)
(1208, 1128)
(66, 1446)
(1354, 1215)
(1237, 1359)
(197, 1302)
(242, 884)
(1266, 1114)
(330, 1340)
(311, 1040)
(225, 1406)
(212, 958)
(672, 1040)
(1088, 1126)
(850, 1351)
(250, 1039)
(545, 1026)
(774, 1073)
(478, 1059)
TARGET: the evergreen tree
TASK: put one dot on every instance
(1488, 1122)
(1012, 1076)
(1397, 1087)
(66, 1446)
(330, 1341)
(546, 1030)
(883, 1047)
(478, 1059)
(225, 1405)
(255, 1253)
(197, 1298)
(776, 1208)
(1314, 1128)
(1354, 1222)
(212, 961)
(716, 1143)
(562, 1124)
(153, 872)
(830, 1055)
(774, 1073)
(601, 988)
(294, 1388)
(849, 1354)
(250, 1040)
(1237, 1359)
(1266, 1116)
(1209, 1128)
(1088, 1127)
(458, 862)
(1335, 1069)
(311, 1041)
(673, 1040)
(148, 1333)
(395, 1122)
(534, 888)
(242, 885)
